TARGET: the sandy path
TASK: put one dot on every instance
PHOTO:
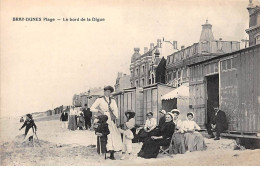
(60, 147)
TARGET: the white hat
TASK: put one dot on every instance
(163, 111)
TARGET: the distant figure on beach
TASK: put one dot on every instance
(87, 115)
(64, 120)
(107, 106)
(30, 128)
(81, 122)
(21, 120)
(72, 119)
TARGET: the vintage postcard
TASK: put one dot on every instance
(130, 83)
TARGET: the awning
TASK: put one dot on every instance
(180, 92)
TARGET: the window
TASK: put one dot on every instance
(216, 67)
(143, 69)
(257, 39)
(224, 65)
(179, 74)
(137, 72)
(174, 75)
(143, 82)
(227, 64)
(137, 84)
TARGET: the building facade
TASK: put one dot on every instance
(177, 71)
(144, 67)
(254, 23)
(122, 82)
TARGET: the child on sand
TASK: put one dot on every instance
(101, 130)
(30, 128)
(127, 140)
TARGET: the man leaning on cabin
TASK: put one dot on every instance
(218, 122)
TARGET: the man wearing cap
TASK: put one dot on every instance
(87, 116)
(107, 106)
(219, 122)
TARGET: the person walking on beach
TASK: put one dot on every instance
(107, 106)
(87, 115)
(30, 128)
(72, 119)
(64, 120)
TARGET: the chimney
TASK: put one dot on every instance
(151, 46)
(175, 45)
(145, 49)
(159, 44)
(206, 33)
(119, 74)
(182, 47)
(136, 50)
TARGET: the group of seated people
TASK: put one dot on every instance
(180, 136)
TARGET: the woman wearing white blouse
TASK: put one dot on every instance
(150, 125)
(107, 106)
(194, 141)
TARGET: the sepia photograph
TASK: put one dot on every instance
(130, 83)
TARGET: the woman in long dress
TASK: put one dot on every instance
(151, 146)
(72, 119)
(177, 145)
(194, 141)
(30, 128)
(107, 106)
(148, 129)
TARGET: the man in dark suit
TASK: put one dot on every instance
(64, 119)
(219, 122)
(87, 116)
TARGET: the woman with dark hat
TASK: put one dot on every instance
(194, 141)
(130, 117)
(30, 127)
(150, 125)
(106, 105)
(151, 146)
(131, 121)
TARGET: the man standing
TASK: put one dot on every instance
(219, 122)
(64, 120)
(87, 116)
(107, 106)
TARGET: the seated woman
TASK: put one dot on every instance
(194, 141)
(151, 146)
(150, 124)
(177, 143)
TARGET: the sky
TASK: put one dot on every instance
(43, 64)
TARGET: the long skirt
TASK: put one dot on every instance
(28, 135)
(114, 141)
(72, 123)
(177, 145)
(150, 148)
(194, 142)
